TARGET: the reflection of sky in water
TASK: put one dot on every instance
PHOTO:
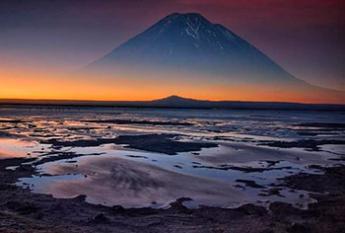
(185, 162)
(238, 131)
(259, 125)
(18, 148)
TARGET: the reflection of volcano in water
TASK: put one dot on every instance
(192, 51)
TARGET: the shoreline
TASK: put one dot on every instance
(39, 212)
(53, 149)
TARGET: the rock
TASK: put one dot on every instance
(117, 209)
(178, 205)
(298, 228)
(281, 209)
(100, 219)
(251, 209)
(23, 208)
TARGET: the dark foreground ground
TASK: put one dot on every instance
(23, 211)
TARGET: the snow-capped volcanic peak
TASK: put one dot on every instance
(190, 42)
(193, 26)
(192, 22)
(188, 49)
(198, 29)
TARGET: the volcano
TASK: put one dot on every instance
(188, 49)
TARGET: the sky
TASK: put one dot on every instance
(306, 37)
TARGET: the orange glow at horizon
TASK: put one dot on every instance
(28, 84)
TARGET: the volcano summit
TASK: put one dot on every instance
(187, 49)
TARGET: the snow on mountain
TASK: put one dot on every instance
(190, 48)
(190, 42)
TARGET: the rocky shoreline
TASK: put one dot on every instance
(24, 211)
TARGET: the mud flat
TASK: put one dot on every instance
(161, 143)
(313, 145)
(244, 153)
(118, 181)
(140, 122)
(149, 172)
(24, 211)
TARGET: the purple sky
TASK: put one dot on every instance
(306, 37)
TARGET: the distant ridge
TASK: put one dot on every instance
(181, 102)
(175, 101)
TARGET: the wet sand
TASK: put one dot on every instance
(161, 143)
(115, 181)
(244, 153)
(171, 174)
(24, 211)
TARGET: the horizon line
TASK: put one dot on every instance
(24, 101)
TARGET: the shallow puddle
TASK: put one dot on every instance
(239, 170)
